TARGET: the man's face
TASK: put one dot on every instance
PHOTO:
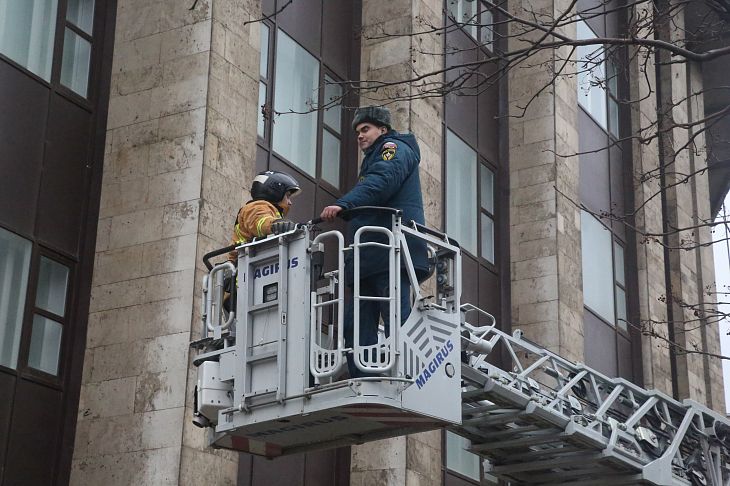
(367, 134)
(286, 203)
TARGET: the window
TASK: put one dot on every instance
(48, 316)
(301, 86)
(469, 209)
(591, 75)
(459, 459)
(27, 33)
(263, 79)
(27, 29)
(486, 36)
(620, 286)
(49, 312)
(14, 267)
(604, 285)
(612, 87)
(487, 212)
(296, 86)
(332, 132)
(475, 17)
(77, 46)
(461, 192)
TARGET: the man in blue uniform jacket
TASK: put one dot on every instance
(389, 178)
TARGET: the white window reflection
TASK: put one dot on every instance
(331, 158)
(487, 238)
(27, 28)
(81, 14)
(591, 75)
(459, 459)
(598, 282)
(333, 104)
(461, 192)
(465, 12)
(295, 96)
(487, 189)
(76, 60)
(260, 122)
(486, 33)
(52, 287)
(14, 267)
(45, 345)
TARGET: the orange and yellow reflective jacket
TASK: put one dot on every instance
(254, 220)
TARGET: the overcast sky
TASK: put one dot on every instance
(722, 273)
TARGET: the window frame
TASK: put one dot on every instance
(23, 306)
(474, 22)
(601, 83)
(615, 241)
(481, 162)
(54, 82)
(30, 310)
(266, 142)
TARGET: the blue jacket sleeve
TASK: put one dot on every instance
(381, 179)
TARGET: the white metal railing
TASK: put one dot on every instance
(326, 359)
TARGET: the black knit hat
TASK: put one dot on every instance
(377, 115)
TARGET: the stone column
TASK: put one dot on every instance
(183, 103)
(648, 219)
(687, 207)
(414, 459)
(545, 245)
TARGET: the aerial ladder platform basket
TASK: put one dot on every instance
(272, 372)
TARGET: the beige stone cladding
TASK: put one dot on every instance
(545, 252)
(183, 104)
(415, 459)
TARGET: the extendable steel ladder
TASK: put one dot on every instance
(550, 421)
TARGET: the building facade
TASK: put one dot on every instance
(132, 130)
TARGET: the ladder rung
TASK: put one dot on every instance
(580, 458)
(542, 437)
(548, 451)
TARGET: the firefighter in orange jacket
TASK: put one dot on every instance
(271, 198)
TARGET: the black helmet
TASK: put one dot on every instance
(272, 186)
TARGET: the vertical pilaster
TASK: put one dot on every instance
(183, 103)
(545, 250)
(401, 55)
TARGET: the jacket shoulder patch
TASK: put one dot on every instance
(388, 151)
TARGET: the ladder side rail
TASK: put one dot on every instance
(395, 289)
(359, 350)
(244, 335)
(283, 309)
(317, 366)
